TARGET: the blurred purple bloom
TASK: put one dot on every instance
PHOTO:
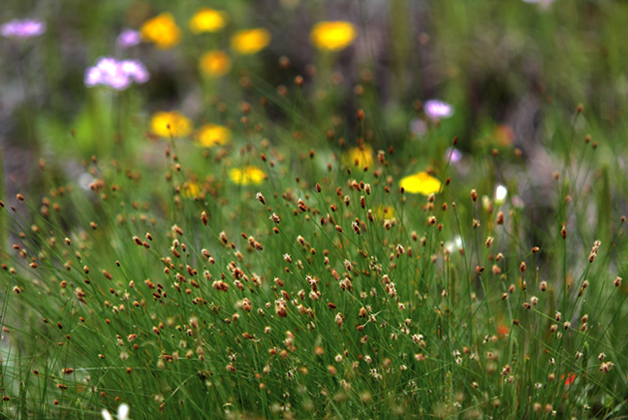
(135, 70)
(436, 109)
(418, 127)
(454, 155)
(128, 38)
(116, 74)
(26, 28)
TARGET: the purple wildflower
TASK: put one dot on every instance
(26, 28)
(128, 38)
(135, 70)
(418, 127)
(453, 155)
(436, 109)
(116, 74)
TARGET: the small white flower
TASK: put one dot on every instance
(501, 192)
(123, 413)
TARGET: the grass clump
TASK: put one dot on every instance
(329, 293)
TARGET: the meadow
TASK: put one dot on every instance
(305, 209)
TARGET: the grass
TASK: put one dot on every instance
(157, 278)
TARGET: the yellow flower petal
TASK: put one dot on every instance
(357, 157)
(333, 36)
(215, 63)
(213, 135)
(166, 124)
(420, 183)
(208, 20)
(250, 41)
(247, 175)
(191, 190)
(384, 212)
(162, 30)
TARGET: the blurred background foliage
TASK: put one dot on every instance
(514, 72)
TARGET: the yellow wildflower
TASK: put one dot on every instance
(333, 36)
(191, 190)
(162, 30)
(166, 124)
(208, 20)
(247, 175)
(357, 157)
(384, 212)
(213, 135)
(420, 183)
(250, 41)
(215, 63)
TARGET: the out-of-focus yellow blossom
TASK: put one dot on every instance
(247, 175)
(208, 20)
(357, 157)
(384, 212)
(161, 30)
(213, 135)
(250, 41)
(333, 36)
(215, 63)
(420, 183)
(191, 190)
(166, 124)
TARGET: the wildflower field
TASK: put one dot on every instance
(308, 209)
